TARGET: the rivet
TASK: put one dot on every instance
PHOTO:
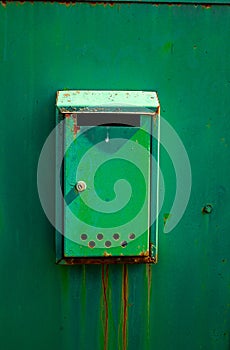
(207, 209)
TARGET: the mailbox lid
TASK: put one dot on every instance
(75, 100)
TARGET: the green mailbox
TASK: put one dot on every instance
(108, 142)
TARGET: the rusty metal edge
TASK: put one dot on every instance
(108, 260)
(205, 4)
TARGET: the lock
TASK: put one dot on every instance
(80, 186)
(109, 176)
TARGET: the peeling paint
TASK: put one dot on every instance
(166, 217)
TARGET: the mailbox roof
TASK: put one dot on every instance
(93, 98)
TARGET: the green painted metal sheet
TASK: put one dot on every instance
(93, 216)
(183, 53)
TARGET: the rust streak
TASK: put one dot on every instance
(149, 282)
(108, 260)
(67, 3)
(105, 279)
(149, 285)
(207, 6)
(76, 128)
(125, 305)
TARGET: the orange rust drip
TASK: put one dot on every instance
(105, 279)
(108, 260)
(75, 126)
(149, 282)
(149, 285)
(125, 305)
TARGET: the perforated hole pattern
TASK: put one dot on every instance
(107, 243)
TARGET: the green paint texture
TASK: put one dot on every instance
(183, 53)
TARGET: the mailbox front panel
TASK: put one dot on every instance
(111, 217)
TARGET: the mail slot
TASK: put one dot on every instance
(108, 177)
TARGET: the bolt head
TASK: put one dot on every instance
(207, 209)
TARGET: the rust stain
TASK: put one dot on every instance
(107, 254)
(149, 282)
(105, 279)
(102, 3)
(67, 3)
(3, 3)
(66, 95)
(108, 260)
(125, 305)
(76, 128)
(207, 6)
(166, 217)
(144, 253)
(57, 97)
(149, 286)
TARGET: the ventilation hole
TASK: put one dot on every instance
(100, 236)
(116, 236)
(91, 244)
(124, 244)
(108, 244)
(132, 236)
(84, 236)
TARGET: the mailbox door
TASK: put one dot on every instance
(111, 217)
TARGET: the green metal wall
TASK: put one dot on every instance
(181, 51)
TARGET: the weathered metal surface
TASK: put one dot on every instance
(118, 99)
(103, 221)
(183, 53)
(205, 3)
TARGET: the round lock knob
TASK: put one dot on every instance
(80, 186)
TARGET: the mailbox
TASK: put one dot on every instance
(107, 145)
